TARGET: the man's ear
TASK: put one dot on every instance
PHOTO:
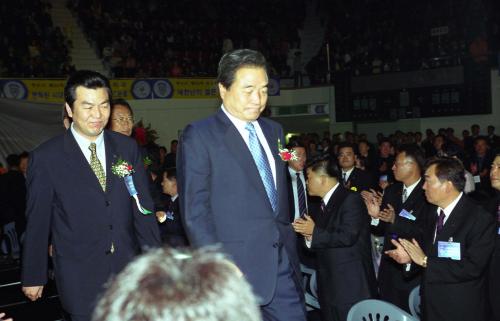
(222, 91)
(68, 110)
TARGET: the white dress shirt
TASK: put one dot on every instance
(447, 211)
(84, 144)
(347, 174)
(293, 175)
(240, 126)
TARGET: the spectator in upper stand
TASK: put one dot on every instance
(479, 163)
(170, 159)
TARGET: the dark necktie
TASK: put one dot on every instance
(440, 222)
(344, 178)
(405, 195)
(260, 158)
(323, 207)
(301, 196)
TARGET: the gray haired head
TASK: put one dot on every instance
(172, 285)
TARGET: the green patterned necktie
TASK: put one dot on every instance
(96, 166)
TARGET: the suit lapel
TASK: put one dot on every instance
(239, 149)
(333, 203)
(417, 191)
(454, 220)
(111, 158)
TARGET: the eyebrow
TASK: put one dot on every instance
(91, 104)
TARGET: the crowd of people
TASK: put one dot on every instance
(94, 195)
(374, 37)
(41, 51)
(186, 38)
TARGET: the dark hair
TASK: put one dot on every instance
(123, 102)
(415, 153)
(452, 150)
(234, 60)
(163, 148)
(13, 160)
(348, 145)
(171, 173)
(326, 165)
(385, 140)
(85, 78)
(483, 138)
(24, 154)
(449, 169)
(295, 143)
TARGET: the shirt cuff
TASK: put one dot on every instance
(308, 243)
(407, 267)
(375, 221)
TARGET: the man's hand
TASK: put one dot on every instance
(372, 202)
(388, 214)
(33, 292)
(304, 226)
(399, 254)
(414, 250)
(2, 319)
(161, 216)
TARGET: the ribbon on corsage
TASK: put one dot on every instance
(124, 170)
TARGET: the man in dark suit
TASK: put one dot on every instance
(74, 196)
(233, 191)
(494, 271)
(340, 236)
(401, 214)
(171, 229)
(457, 247)
(352, 178)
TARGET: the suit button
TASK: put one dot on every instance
(108, 203)
(277, 244)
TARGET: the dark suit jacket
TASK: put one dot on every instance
(455, 290)
(360, 179)
(223, 199)
(393, 282)
(172, 232)
(494, 272)
(66, 201)
(341, 240)
(13, 199)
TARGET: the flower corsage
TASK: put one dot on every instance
(287, 154)
(124, 170)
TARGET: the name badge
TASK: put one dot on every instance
(477, 179)
(170, 215)
(404, 213)
(449, 250)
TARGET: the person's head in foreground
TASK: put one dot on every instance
(172, 285)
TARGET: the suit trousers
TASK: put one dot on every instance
(287, 303)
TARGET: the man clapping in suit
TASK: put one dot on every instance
(456, 248)
(233, 190)
(340, 236)
(75, 196)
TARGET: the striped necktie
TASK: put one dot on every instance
(260, 158)
(301, 196)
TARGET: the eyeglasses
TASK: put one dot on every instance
(124, 120)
